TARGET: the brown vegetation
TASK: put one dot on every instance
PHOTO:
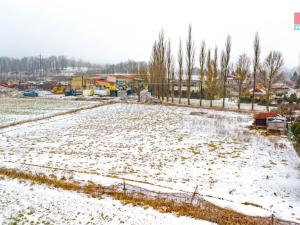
(181, 204)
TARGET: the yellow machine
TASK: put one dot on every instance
(109, 87)
(112, 88)
(58, 90)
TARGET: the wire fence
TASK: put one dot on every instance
(182, 203)
(195, 203)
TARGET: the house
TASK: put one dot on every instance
(280, 88)
(101, 80)
(81, 82)
(259, 91)
(121, 80)
(260, 119)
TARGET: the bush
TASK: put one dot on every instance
(296, 130)
(293, 98)
(245, 99)
(286, 109)
(279, 101)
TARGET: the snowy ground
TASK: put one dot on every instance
(24, 203)
(13, 110)
(159, 146)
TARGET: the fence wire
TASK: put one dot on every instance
(197, 202)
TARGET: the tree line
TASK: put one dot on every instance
(36, 64)
(214, 70)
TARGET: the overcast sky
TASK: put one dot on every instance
(116, 30)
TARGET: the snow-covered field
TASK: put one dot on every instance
(13, 110)
(24, 203)
(163, 148)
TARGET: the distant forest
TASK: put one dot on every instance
(35, 64)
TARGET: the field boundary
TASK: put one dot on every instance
(216, 108)
(58, 114)
(183, 204)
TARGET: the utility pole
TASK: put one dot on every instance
(40, 65)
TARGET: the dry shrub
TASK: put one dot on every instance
(202, 210)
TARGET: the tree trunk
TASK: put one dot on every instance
(163, 90)
(268, 99)
(179, 89)
(172, 87)
(168, 87)
(239, 98)
(254, 86)
(180, 96)
(224, 93)
(189, 92)
(201, 86)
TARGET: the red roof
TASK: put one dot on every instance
(266, 115)
(8, 85)
(297, 18)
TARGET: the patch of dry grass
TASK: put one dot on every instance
(209, 211)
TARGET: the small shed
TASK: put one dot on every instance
(277, 123)
(260, 119)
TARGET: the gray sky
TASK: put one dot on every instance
(116, 30)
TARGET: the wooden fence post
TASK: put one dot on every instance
(124, 187)
(193, 196)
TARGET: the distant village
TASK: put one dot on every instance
(79, 79)
(88, 82)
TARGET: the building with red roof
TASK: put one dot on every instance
(260, 119)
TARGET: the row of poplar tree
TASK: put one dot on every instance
(166, 71)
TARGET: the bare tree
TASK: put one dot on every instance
(211, 75)
(169, 73)
(172, 78)
(35, 64)
(140, 81)
(271, 72)
(162, 62)
(215, 76)
(256, 46)
(190, 60)
(201, 72)
(180, 70)
(153, 70)
(225, 62)
(223, 71)
(138, 86)
(157, 66)
(240, 73)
